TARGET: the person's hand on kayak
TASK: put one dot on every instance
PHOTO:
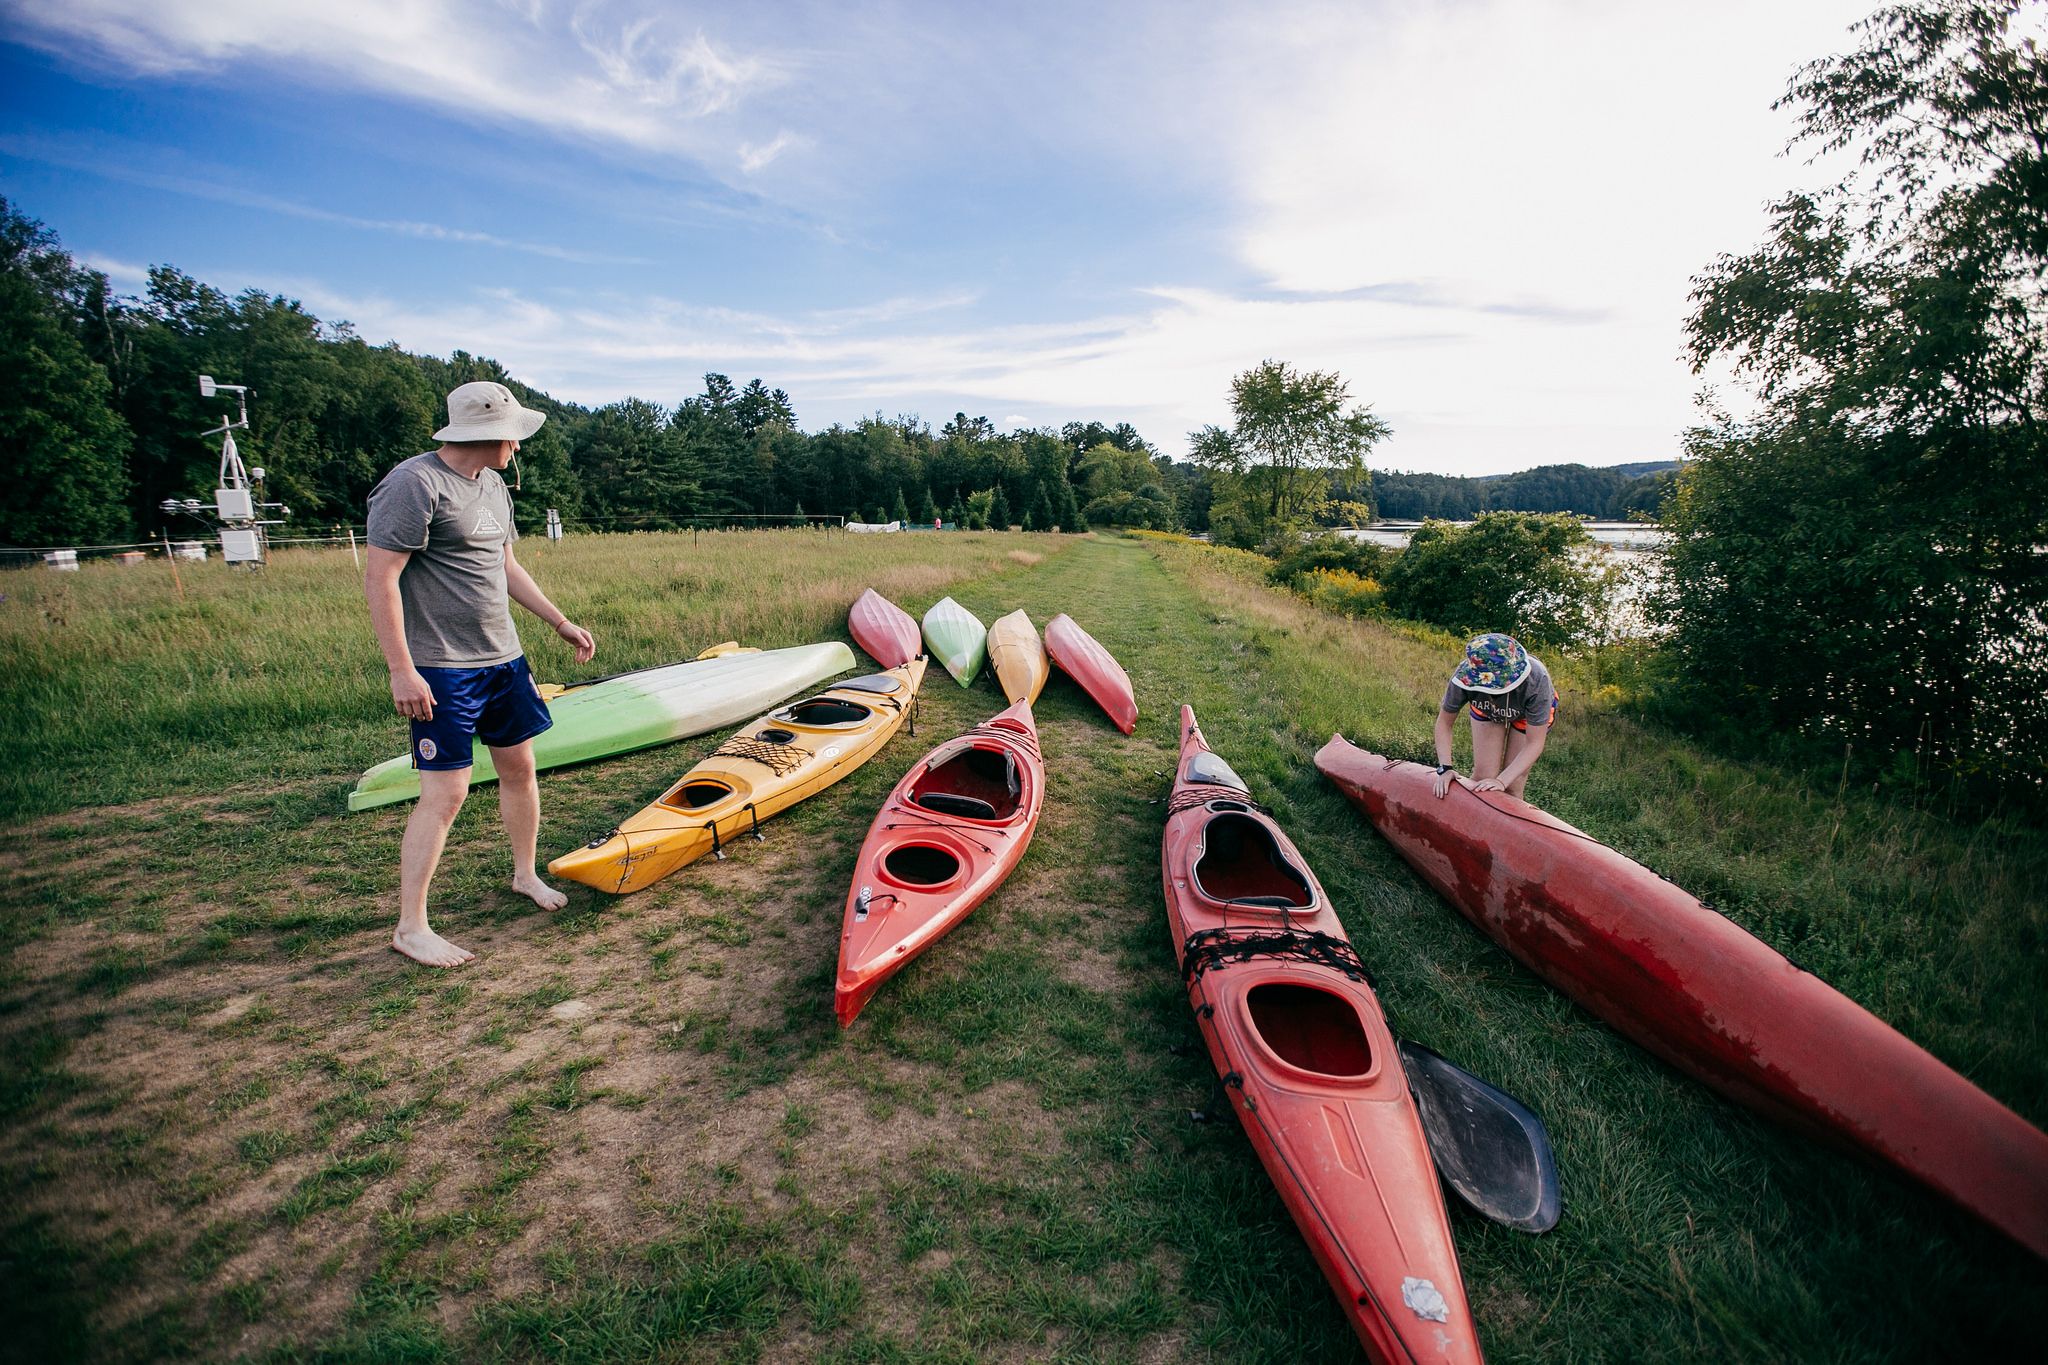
(585, 646)
(1443, 782)
(411, 695)
(1489, 784)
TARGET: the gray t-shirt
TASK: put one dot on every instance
(1527, 700)
(456, 611)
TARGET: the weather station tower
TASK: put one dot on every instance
(237, 502)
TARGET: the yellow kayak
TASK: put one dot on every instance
(1019, 657)
(792, 752)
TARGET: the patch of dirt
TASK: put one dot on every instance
(621, 1046)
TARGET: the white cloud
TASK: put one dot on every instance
(753, 158)
(610, 73)
(1164, 365)
(126, 274)
(1485, 214)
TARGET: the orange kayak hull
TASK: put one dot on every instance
(1701, 992)
(1308, 1063)
(950, 833)
(1075, 653)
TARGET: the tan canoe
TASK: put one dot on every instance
(1019, 657)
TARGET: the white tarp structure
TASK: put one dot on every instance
(874, 525)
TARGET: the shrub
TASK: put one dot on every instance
(1293, 557)
(1147, 509)
(1536, 577)
(1341, 591)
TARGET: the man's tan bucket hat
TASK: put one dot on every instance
(484, 411)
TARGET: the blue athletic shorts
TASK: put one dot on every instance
(499, 705)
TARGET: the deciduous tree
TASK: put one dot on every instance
(1293, 428)
(1862, 559)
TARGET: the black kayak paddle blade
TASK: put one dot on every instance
(1488, 1147)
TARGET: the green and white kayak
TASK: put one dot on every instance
(638, 710)
(956, 638)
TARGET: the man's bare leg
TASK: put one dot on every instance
(426, 834)
(519, 805)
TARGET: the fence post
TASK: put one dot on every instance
(175, 576)
(352, 547)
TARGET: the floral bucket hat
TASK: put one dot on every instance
(1493, 663)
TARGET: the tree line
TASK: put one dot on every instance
(100, 425)
(1629, 492)
(104, 427)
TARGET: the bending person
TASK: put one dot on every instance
(1512, 702)
(440, 573)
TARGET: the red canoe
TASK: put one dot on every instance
(1299, 1039)
(884, 630)
(1078, 656)
(1702, 993)
(946, 838)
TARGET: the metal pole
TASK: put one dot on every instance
(175, 577)
(352, 547)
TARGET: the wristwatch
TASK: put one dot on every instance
(1443, 768)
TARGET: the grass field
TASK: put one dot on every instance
(234, 1125)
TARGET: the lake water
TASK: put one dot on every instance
(1622, 535)
(1631, 543)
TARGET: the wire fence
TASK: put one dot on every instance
(353, 537)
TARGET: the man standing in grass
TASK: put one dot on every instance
(440, 572)
(1513, 703)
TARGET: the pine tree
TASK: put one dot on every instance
(1069, 509)
(957, 513)
(927, 510)
(901, 511)
(1038, 516)
(999, 510)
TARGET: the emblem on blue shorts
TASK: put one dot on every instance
(427, 750)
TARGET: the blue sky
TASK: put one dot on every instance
(1484, 215)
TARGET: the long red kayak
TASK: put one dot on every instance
(947, 836)
(1076, 654)
(1303, 1049)
(884, 630)
(1701, 992)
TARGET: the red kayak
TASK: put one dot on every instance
(884, 630)
(1299, 1039)
(946, 838)
(1701, 992)
(1078, 656)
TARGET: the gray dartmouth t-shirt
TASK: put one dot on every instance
(1527, 700)
(456, 611)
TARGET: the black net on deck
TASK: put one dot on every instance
(1208, 950)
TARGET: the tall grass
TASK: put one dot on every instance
(122, 687)
(1937, 926)
(372, 1161)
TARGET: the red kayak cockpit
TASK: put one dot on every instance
(971, 781)
(1314, 1030)
(1243, 864)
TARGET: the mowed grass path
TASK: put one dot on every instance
(234, 1125)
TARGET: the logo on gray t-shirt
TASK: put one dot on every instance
(457, 614)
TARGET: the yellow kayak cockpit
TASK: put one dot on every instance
(791, 753)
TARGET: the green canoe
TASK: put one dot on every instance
(956, 638)
(637, 710)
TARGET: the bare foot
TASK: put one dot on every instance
(430, 949)
(543, 895)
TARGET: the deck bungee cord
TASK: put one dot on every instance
(1208, 950)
